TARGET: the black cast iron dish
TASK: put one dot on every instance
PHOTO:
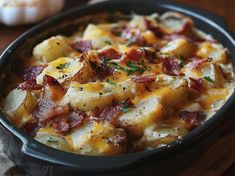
(40, 160)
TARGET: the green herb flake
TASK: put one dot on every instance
(182, 62)
(52, 139)
(129, 42)
(111, 82)
(107, 42)
(63, 66)
(124, 107)
(208, 78)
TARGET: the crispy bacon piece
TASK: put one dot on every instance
(29, 85)
(150, 56)
(51, 81)
(171, 66)
(197, 62)
(192, 119)
(110, 113)
(156, 30)
(133, 35)
(143, 79)
(47, 109)
(134, 54)
(109, 53)
(32, 72)
(101, 71)
(30, 127)
(197, 84)
(76, 118)
(82, 45)
(61, 124)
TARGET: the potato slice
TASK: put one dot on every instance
(49, 137)
(212, 50)
(18, 105)
(145, 113)
(51, 49)
(61, 69)
(177, 47)
(87, 96)
(99, 36)
(98, 138)
(122, 90)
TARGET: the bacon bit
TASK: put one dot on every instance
(150, 55)
(30, 127)
(32, 72)
(49, 80)
(133, 35)
(61, 124)
(109, 53)
(197, 62)
(134, 54)
(156, 30)
(110, 113)
(192, 119)
(47, 109)
(76, 118)
(171, 67)
(82, 45)
(143, 79)
(101, 71)
(29, 85)
(197, 84)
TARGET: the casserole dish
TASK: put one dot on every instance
(38, 159)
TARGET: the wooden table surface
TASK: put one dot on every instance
(224, 8)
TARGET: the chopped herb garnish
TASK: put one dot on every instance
(135, 68)
(63, 76)
(100, 93)
(52, 139)
(62, 66)
(129, 42)
(208, 78)
(182, 61)
(111, 82)
(124, 107)
(107, 42)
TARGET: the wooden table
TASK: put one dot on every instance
(220, 160)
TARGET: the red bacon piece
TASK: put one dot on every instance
(32, 72)
(133, 35)
(197, 84)
(61, 124)
(171, 66)
(143, 79)
(150, 56)
(109, 53)
(134, 54)
(29, 85)
(110, 113)
(51, 81)
(82, 45)
(76, 118)
(192, 119)
(47, 109)
(156, 30)
(30, 127)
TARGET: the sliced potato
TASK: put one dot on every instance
(49, 137)
(18, 105)
(122, 90)
(87, 96)
(145, 113)
(61, 69)
(51, 49)
(177, 47)
(99, 36)
(212, 50)
(98, 138)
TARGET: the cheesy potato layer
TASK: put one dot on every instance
(120, 87)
